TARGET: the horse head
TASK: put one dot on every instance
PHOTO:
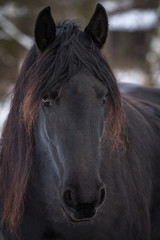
(70, 123)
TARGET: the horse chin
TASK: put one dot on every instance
(76, 217)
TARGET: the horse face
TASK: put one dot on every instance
(70, 131)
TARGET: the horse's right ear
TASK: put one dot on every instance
(45, 29)
(97, 28)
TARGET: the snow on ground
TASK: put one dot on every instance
(11, 9)
(134, 20)
(4, 109)
(112, 6)
(131, 19)
(131, 76)
(156, 77)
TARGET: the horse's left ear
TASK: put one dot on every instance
(45, 29)
(98, 26)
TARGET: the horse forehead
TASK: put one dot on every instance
(83, 82)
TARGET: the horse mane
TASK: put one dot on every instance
(41, 72)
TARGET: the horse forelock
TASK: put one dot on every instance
(41, 72)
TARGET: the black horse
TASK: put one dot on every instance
(79, 160)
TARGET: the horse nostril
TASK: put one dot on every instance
(78, 202)
(101, 196)
(67, 197)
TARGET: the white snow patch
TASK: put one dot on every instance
(134, 20)
(156, 78)
(5, 107)
(11, 10)
(111, 6)
(4, 110)
(155, 44)
(131, 76)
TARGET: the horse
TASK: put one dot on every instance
(79, 158)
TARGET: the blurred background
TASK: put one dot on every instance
(132, 48)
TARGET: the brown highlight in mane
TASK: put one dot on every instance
(16, 165)
(29, 112)
(16, 157)
(116, 125)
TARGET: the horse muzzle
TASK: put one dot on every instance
(77, 209)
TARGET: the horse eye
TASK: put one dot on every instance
(105, 98)
(47, 101)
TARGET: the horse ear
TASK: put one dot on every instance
(45, 29)
(98, 26)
